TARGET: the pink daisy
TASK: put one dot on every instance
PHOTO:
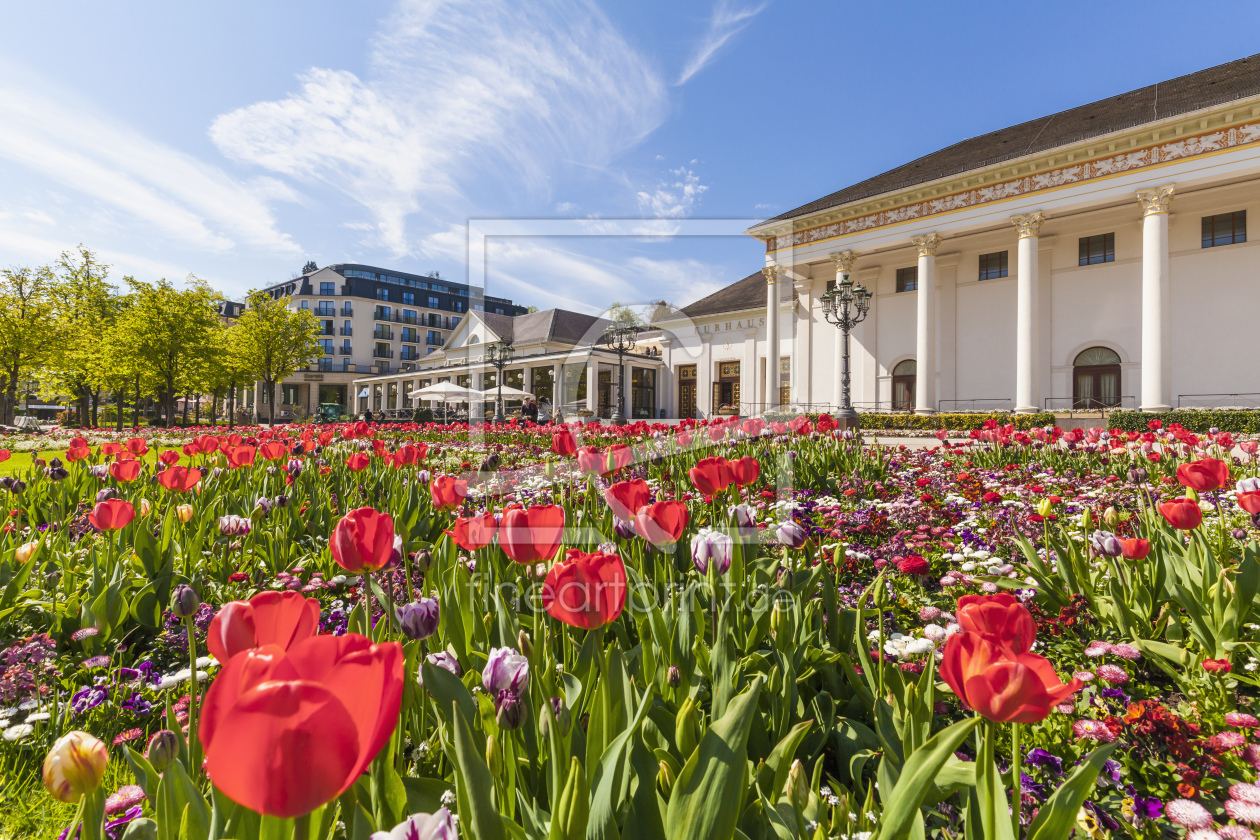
(1188, 814)
(1113, 674)
(1248, 812)
(128, 735)
(85, 633)
(929, 613)
(1228, 740)
(1235, 832)
(1084, 676)
(1093, 730)
(1251, 755)
(1126, 651)
(124, 798)
(1242, 720)
(1246, 792)
(1065, 708)
(1097, 648)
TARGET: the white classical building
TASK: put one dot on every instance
(1094, 257)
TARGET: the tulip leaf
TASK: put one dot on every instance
(446, 688)
(1058, 816)
(146, 776)
(610, 780)
(917, 776)
(725, 661)
(475, 784)
(643, 822)
(780, 760)
(569, 817)
(705, 803)
(196, 814)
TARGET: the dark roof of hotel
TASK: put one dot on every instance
(1202, 89)
(559, 325)
(749, 293)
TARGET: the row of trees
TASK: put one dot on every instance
(67, 328)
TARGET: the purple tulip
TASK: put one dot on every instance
(441, 659)
(506, 670)
(791, 534)
(1105, 544)
(711, 546)
(419, 620)
(439, 825)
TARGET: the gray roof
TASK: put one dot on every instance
(558, 325)
(740, 296)
(1203, 89)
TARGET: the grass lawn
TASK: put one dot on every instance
(20, 461)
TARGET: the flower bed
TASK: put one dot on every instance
(735, 629)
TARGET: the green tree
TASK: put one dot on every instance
(172, 334)
(271, 341)
(27, 330)
(622, 314)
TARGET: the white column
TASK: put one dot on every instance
(557, 386)
(843, 262)
(704, 377)
(1027, 384)
(1156, 387)
(925, 352)
(772, 274)
(592, 386)
(748, 381)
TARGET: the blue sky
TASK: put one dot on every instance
(236, 140)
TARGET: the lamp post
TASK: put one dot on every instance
(621, 337)
(499, 355)
(846, 306)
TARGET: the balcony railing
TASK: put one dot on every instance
(327, 331)
(344, 351)
(348, 367)
(1090, 404)
(347, 309)
(1218, 401)
(383, 334)
(378, 353)
(347, 330)
(325, 311)
(981, 404)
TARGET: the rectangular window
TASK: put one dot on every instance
(1098, 249)
(409, 298)
(327, 288)
(327, 344)
(433, 302)
(993, 266)
(382, 293)
(908, 279)
(289, 394)
(1225, 229)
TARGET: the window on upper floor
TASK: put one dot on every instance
(327, 288)
(433, 302)
(1098, 249)
(1225, 229)
(382, 293)
(409, 298)
(993, 266)
(908, 279)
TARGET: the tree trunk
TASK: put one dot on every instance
(197, 412)
(135, 407)
(118, 399)
(232, 406)
(169, 400)
(95, 396)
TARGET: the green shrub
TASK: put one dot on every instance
(1236, 420)
(953, 422)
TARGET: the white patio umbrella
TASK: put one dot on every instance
(444, 392)
(509, 393)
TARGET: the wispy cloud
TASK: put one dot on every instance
(462, 98)
(170, 194)
(726, 22)
(673, 200)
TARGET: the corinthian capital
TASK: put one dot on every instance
(843, 260)
(927, 245)
(1156, 200)
(1029, 224)
(772, 273)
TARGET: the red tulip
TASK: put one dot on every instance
(111, 515)
(111, 448)
(358, 461)
(827, 423)
(1135, 549)
(241, 456)
(448, 492)
(711, 475)
(273, 450)
(285, 732)
(77, 453)
(746, 470)
(1000, 619)
(125, 470)
(5, 455)
(626, 497)
(190, 449)
(137, 446)
(662, 523)
(206, 444)
(179, 479)
(169, 457)
(363, 540)
(1204, 475)
(1249, 502)
(1021, 689)
(591, 460)
(409, 454)
(619, 456)
(269, 618)
(473, 532)
(1182, 513)
(563, 444)
(585, 590)
(532, 535)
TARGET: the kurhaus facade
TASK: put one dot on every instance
(1096, 257)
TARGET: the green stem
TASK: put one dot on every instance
(302, 827)
(1016, 782)
(194, 744)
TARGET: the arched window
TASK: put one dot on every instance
(1096, 378)
(903, 379)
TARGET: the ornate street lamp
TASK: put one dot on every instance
(845, 306)
(499, 355)
(621, 337)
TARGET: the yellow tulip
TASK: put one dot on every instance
(26, 550)
(75, 766)
(184, 512)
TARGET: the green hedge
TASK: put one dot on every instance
(1236, 420)
(954, 422)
